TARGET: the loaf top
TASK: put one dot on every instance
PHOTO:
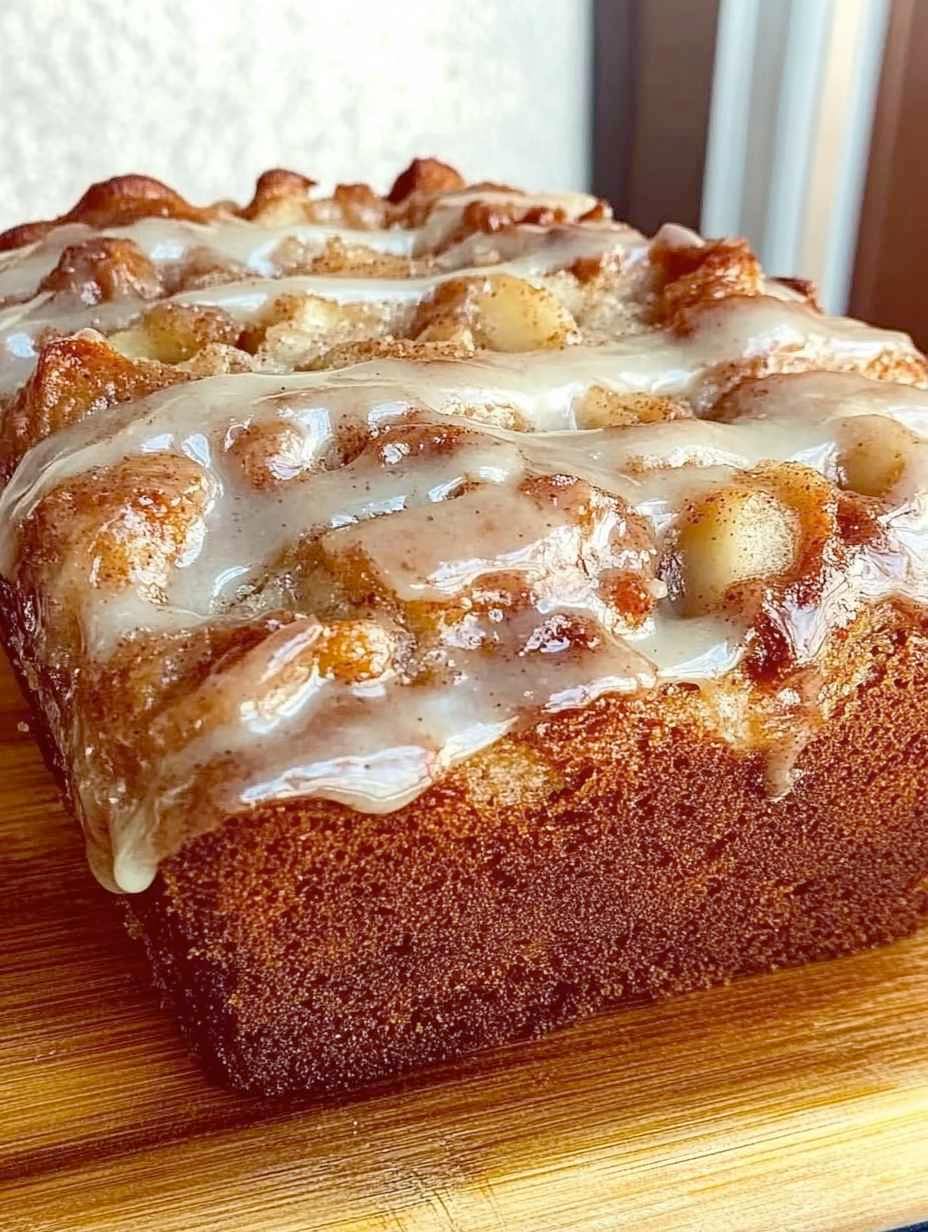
(322, 495)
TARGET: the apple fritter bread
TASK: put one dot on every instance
(452, 612)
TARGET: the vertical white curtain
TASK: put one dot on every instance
(792, 111)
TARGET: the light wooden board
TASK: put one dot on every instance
(796, 1101)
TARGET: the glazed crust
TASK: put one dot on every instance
(610, 854)
(638, 846)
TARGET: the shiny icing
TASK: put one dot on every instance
(550, 512)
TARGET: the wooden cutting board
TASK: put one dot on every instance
(796, 1101)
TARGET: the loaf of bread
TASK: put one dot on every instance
(451, 613)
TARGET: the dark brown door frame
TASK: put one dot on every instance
(615, 37)
(891, 271)
(652, 83)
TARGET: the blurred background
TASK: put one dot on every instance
(798, 123)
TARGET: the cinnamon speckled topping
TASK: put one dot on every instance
(322, 495)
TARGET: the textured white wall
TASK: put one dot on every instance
(206, 93)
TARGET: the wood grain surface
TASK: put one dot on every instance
(796, 1101)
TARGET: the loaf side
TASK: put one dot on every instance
(450, 612)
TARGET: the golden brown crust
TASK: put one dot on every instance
(692, 277)
(635, 845)
(488, 217)
(101, 270)
(424, 175)
(84, 538)
(127, 198)
(113, 203)
(603, 856)
(275, 185)
(73, 377)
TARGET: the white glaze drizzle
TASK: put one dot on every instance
(533, 252)
(166, 241)
(657, 468)
(428, 527)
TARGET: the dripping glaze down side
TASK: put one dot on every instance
(491, 587)
(343, 583)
